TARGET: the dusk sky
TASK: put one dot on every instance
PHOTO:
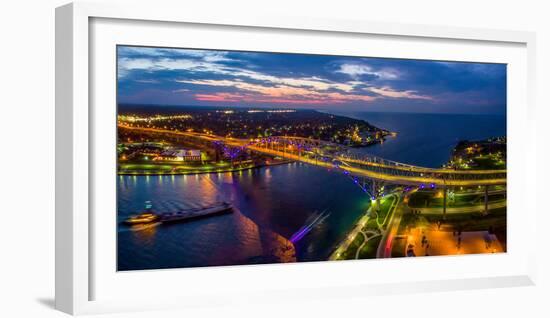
(230, 78)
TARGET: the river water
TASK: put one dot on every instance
(273, 203)
(427, 139)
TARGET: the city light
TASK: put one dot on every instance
(298, 174)
(138, 119)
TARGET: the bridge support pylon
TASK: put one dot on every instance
(375, 194)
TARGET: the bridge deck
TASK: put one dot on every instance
(388, 171)
(397, 179)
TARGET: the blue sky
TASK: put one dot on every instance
(252, 79)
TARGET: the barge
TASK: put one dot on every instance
(184, 215)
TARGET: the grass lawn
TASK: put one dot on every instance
(177, 168)
(369, 250)
(385, 205)
(467, 221)
(350, 252)
(421, 199)
(371, 225)
(473, 221)
(488, 163)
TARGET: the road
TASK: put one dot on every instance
(385, 246)
(389, 173)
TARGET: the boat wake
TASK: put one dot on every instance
(313, 221)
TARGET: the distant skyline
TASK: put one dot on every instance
(166, 76)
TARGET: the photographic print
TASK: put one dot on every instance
(239, 158)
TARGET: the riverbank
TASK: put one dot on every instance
(363, 240)
(153, 172)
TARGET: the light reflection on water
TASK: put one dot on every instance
(271, 204)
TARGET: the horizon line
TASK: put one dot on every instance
(309, 109)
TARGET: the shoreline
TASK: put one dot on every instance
(169, 173)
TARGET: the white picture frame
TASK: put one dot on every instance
(76, 264)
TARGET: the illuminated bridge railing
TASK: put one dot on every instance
(369, 159)
(394, 168)
(312, 149)
(329, 154)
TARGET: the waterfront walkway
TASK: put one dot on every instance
(368, 233)
(446, 243)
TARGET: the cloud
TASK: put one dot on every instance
(191, 76)
(300, 91)
(270, 81)
(149, 64)
(355, 71)
(206, 55)
(311, 99)
(147, 81)
(274, 93)
(158, 59)
(210, 63)
(389, 92)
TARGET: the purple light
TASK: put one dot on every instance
(298, 236)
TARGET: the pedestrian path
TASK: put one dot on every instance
(446, 243)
